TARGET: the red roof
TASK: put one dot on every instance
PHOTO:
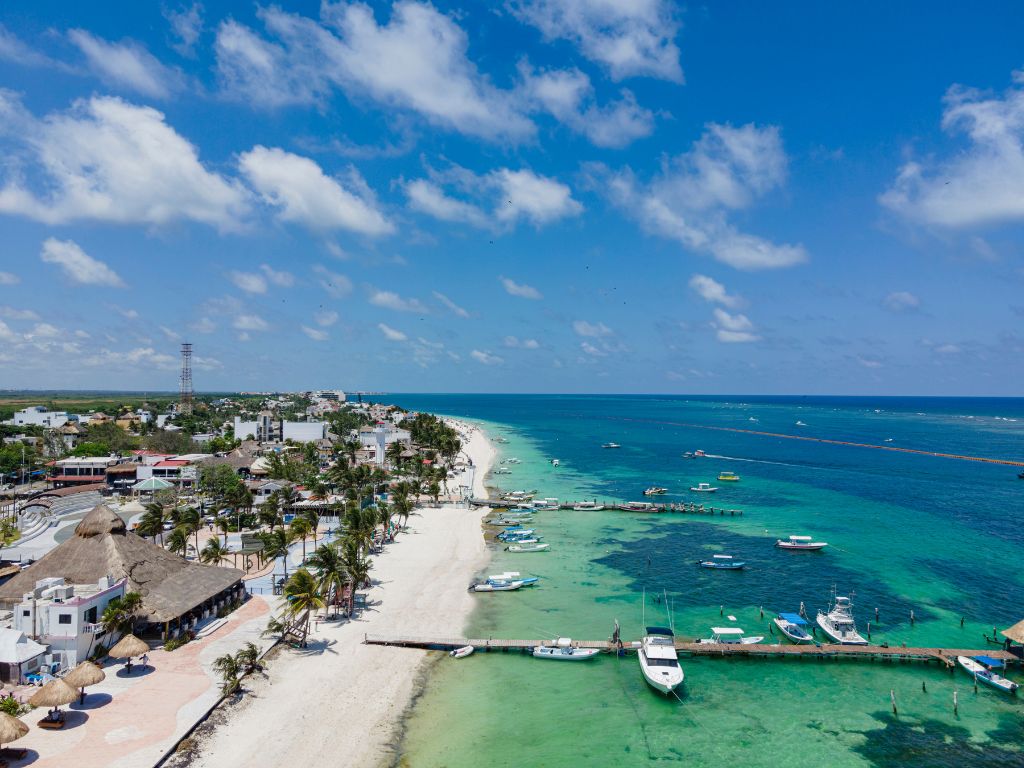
(150, 453)
(171, 463)
(75, 478)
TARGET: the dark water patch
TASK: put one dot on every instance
(773, 578)
(990, 598)
(935, 744)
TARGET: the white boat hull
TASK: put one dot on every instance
(461, 653)
(981, 673)
(564, 654)
(661, 681)
(795, 639)
(843, 638)
(813, 547)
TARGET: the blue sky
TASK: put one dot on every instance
(537, 195)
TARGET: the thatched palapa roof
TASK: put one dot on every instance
(1016, 632)
(170, 585)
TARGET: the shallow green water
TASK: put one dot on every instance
(897, 538)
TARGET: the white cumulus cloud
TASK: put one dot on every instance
(391, 334)
(901, 301)
(451, 305)
(248, 282)
(126, 65)
(247, 322)
(77, 265)
(521, 290)
(514, 342)
(391, 300)
(592, 330)
(315, 334)
(9, 278)
(711, 290)
(326, 319)
(336, 284)
(733, 329)
(485, 357)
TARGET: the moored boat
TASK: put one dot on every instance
(804, 543)
(722, 562)
(611, 445)
(563, 650)
(496, 586)
(527, 581)
(527, 547)
(555, 462)
(982, 668)
(730, 636)
(655, 490)
(792, 625)
(638, 506)
(838, 623)
(728, 477)
(659, 662)
(703, 488)
(461, 653)
(548, 503)
(587, 506)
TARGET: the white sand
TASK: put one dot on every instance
(344, 698)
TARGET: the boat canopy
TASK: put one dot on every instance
(988, 661)
(722, 557)
(660, 631)
(727, 630)
(799, 538)
(794, 618)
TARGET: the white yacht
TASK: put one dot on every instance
(838, 623)
(703, 488)
(658, 660)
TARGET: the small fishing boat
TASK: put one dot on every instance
(527, 547)
(722, 562)
(728, 477)
(527, 581)
(638, 506)
(689, 455)
(659, 662)
(611, 445)
(512, 460)
(838, 623)
(804, 543)
(555, 462)
(703, 488)
(545, 504)
(981, 667)
(461, 653)
(587, 506)
(502, 471)
(655, 490)
(504, 522)
(792, 626)
(563, 650)
(730, 636)
(800, 424)
(495, 586)
(699, 454)
(516, 532)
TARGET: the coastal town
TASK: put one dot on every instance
(158, 557)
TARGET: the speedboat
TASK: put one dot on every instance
(563, 650)
(638, 506)
(659, 662)
(587, 506)
(655, 490)
(730, 636)
(505, 522)
(981, 667)
(496, 585)
(728, 477)
(461, 653)
(792, 626)
(611, 445)
(805, 543)
(722, 562)
(688, 455)
(703, 488)
(838, 623)
(699, 454)
(526, 547)
(528, 581)
(555, 462)
(800, 424)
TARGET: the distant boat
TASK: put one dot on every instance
(502, 471)
(495, 586)
(555, 462)
(792, 626)
(638, 506)
(730, 636)
(528, 581)
(703, 488)
(461, 653)
(545, 504)
(980, 667)
(1021, 475)
(659, 662)
(728, 477)
(699, 454)
(587, 506)
(804, 543)
(611, 445)
(800, 424)
(722, 562)
(516, 532)
(688, 455)
(838, 623)
(527, 547)
(655, 490)
(564, 651)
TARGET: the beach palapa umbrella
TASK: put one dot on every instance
(11, 728)
(83, 675)
(54, 694)
(128, 646)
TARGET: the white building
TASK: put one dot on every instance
(377, 439)
(267, 429)
(37, 415)
(66, 617)
(333, 395)
(19, 656)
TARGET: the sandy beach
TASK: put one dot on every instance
(339, 694)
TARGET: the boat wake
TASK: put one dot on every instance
(752, 461)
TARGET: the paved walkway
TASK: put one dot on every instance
(129, 721)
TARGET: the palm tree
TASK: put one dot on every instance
(248, 657)
(275, 626)
(394, 454)
(356, 565)
(384, 515)
(299, 529)
(224, 524)
(214, 552)
(303, 596)
(314, 521)
(275, 545)
(330, 571)
(229, 668)
(119, 615)
(190, 519)
(270, 511)
(177, 542)
(152, 521)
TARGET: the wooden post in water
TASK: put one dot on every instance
(956, 707)
(892, 698)
(911, 617)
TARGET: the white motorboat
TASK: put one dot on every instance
(563, 650)
(547, 504)
(730, 636)
(555, 462)
(838, 623)
(638, 506)
(981, 668)
(461, 653)
(587, 506)
(527, 547)
(655, 490)
(801, 543)
(793, 626)
(527, 581)
(659, 662)
(611, 445)
(703, 488)
(496, 585)
(502, 471)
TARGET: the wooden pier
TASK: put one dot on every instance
(823, 651)
(681, 507)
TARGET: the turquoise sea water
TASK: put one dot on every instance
(940, 537)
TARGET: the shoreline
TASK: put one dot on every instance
(360, 694)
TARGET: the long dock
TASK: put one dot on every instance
(682, 507)
(945, 656)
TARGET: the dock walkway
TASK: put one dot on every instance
(946, 656)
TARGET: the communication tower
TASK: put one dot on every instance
(185, 404)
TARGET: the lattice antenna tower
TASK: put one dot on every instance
(185, 400)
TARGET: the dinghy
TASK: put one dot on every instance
(496, 586)
(563, 651)
(461, 653)
(527, 547)
(703, 488)
(730, 636)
